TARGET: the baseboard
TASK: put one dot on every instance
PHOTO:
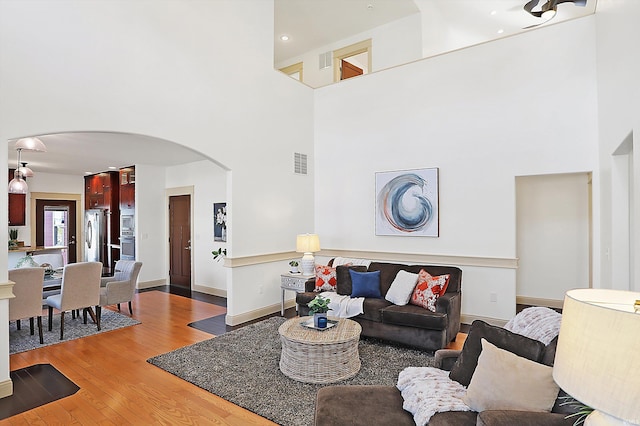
(6, 388)
(536, 301)
(468, 319)
(258, 313)
(152, 283)
(210, 290)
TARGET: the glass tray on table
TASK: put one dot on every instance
(309, 324)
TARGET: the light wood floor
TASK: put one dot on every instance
(118, 386)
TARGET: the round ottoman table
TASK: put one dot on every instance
(319, 356)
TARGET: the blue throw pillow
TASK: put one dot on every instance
(365, 284)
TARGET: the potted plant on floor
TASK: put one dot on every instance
(319, 307)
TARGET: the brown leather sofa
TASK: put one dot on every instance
(382, 405)
(409, 324)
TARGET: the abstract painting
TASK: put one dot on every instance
(219, 221)
(407, 203)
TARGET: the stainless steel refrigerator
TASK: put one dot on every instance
(95, 236)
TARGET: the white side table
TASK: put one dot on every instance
(293, 282)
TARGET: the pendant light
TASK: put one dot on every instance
(31, 144)
(18, 185)
(25, 171)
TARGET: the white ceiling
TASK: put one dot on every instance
(311, 24)
(81, 152)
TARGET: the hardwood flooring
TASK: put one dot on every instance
(118, 386)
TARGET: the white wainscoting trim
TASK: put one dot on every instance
(209, 290)
(468, 319)
(152, 283)
(427, 259)
(536, 301)
(6, 388)
(257, 313)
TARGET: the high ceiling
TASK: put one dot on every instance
(311, 24)
(81, 152)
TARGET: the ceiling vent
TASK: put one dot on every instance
(299, 163)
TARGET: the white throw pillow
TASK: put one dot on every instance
(402, 288)
(504, 381)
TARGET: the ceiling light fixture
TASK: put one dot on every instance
(548, 10)
(31, 144)
(284, 37)
(25, 171)
(500, 31)
(18, 185)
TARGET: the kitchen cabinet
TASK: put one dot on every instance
(17, 206)
(99, 193)
(128, 188)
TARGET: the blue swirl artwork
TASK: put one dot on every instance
(407, 203)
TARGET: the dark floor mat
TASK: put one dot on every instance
(34, 386)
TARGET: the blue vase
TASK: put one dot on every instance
(317, 317)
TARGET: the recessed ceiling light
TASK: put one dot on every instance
(493, 12)
(112, 168)
(500, 31)
(284, 37)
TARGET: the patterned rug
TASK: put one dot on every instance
(242, 366)
(21, 340)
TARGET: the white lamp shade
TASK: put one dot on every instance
(307, 243)
(17, 186)
(598, 355)
(31, 144)
(25, 171)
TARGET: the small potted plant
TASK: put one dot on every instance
(294, 266)
(13, 238)
(319, 307)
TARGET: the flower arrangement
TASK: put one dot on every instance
(319, 305)
(219, 254)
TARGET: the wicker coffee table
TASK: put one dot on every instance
(314, 356)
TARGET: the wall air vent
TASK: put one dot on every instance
(299, 163)
(325, 60)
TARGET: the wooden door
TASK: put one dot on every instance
(349, 70)
(180, 241)
(69, 228)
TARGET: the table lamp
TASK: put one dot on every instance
(598, 355)
(307, 244)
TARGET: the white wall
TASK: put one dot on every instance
(395, 43)
(553, 226)
(482, 115)
(618, 68)
(151, 235)
(169, 69)
(209, 183)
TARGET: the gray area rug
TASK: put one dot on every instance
(242, 367)
(21, 340)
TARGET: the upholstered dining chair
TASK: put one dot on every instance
(121, 287)
(80, 289)
(27, 302)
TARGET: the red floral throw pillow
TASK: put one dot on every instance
(325, 278)
(429, 289)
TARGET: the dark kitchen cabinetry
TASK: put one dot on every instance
(128, 188)
(100, 191)
(17, 206)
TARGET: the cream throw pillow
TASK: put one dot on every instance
(505, 381)
(402, 288)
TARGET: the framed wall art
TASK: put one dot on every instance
(219, 221)
(407, 203)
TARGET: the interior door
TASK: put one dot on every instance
(349, 70)
(180, 241)
(62, 233)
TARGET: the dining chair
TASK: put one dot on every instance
(121, 287)
(27, 302)
(80, 289)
